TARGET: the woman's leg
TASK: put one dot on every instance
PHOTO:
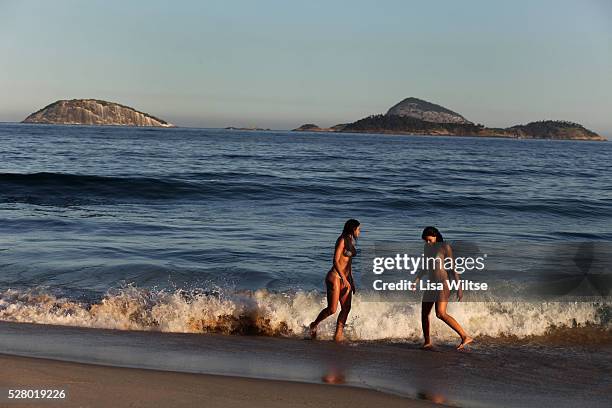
(346, 299)
(425, 311)
(333, 295)
(448, 319)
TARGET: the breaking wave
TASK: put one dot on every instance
(267, 313)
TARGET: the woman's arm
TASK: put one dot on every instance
(338, 253)
(455, 276)
(350, 277)
(419, 274)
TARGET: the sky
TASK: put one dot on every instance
(280, 64)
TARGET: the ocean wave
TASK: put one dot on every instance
(64, 189)
(268, 313)
(40, 188)
(73, 189)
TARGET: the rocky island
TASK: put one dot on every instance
(418, 117)
(309, 127)
(93, 112)
(425, 111)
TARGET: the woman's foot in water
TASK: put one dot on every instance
(464, 342)
(339, 335)
(313, 330)
(427, 345)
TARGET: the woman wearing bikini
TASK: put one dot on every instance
(436, 249)
(339, 280)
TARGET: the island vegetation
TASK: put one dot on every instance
(418, 117)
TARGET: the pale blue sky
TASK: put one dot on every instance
(283, 63)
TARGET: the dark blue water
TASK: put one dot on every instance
(172, 229)
(200, 231)
(86, 208)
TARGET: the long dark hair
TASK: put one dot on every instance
(349, 228)
(432, 232)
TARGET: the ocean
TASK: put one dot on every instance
(226, 231)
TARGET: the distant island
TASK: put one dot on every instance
(309, 127)
(247, 128)
(93, 112)
(418, 117)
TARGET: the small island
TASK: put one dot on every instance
(309, 127)
(248, 128)
(418, 117)
(93, 112)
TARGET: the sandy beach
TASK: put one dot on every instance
(179, 369)
(98, 386)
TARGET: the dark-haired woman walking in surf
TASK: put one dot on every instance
(339, 280)
(438, 251)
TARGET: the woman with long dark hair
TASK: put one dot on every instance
(339, 280)
(436, 252)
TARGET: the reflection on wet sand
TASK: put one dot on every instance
(431, 396)
(334, 375)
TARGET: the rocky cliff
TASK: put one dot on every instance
(425, 111)
(93, 112)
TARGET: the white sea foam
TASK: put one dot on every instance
(266, 313)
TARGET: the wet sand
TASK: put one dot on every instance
(489, 374)
(98, 386)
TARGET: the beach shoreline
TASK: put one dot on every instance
(489, 373)
(89, 385)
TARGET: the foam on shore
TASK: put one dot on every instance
(283, 314)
